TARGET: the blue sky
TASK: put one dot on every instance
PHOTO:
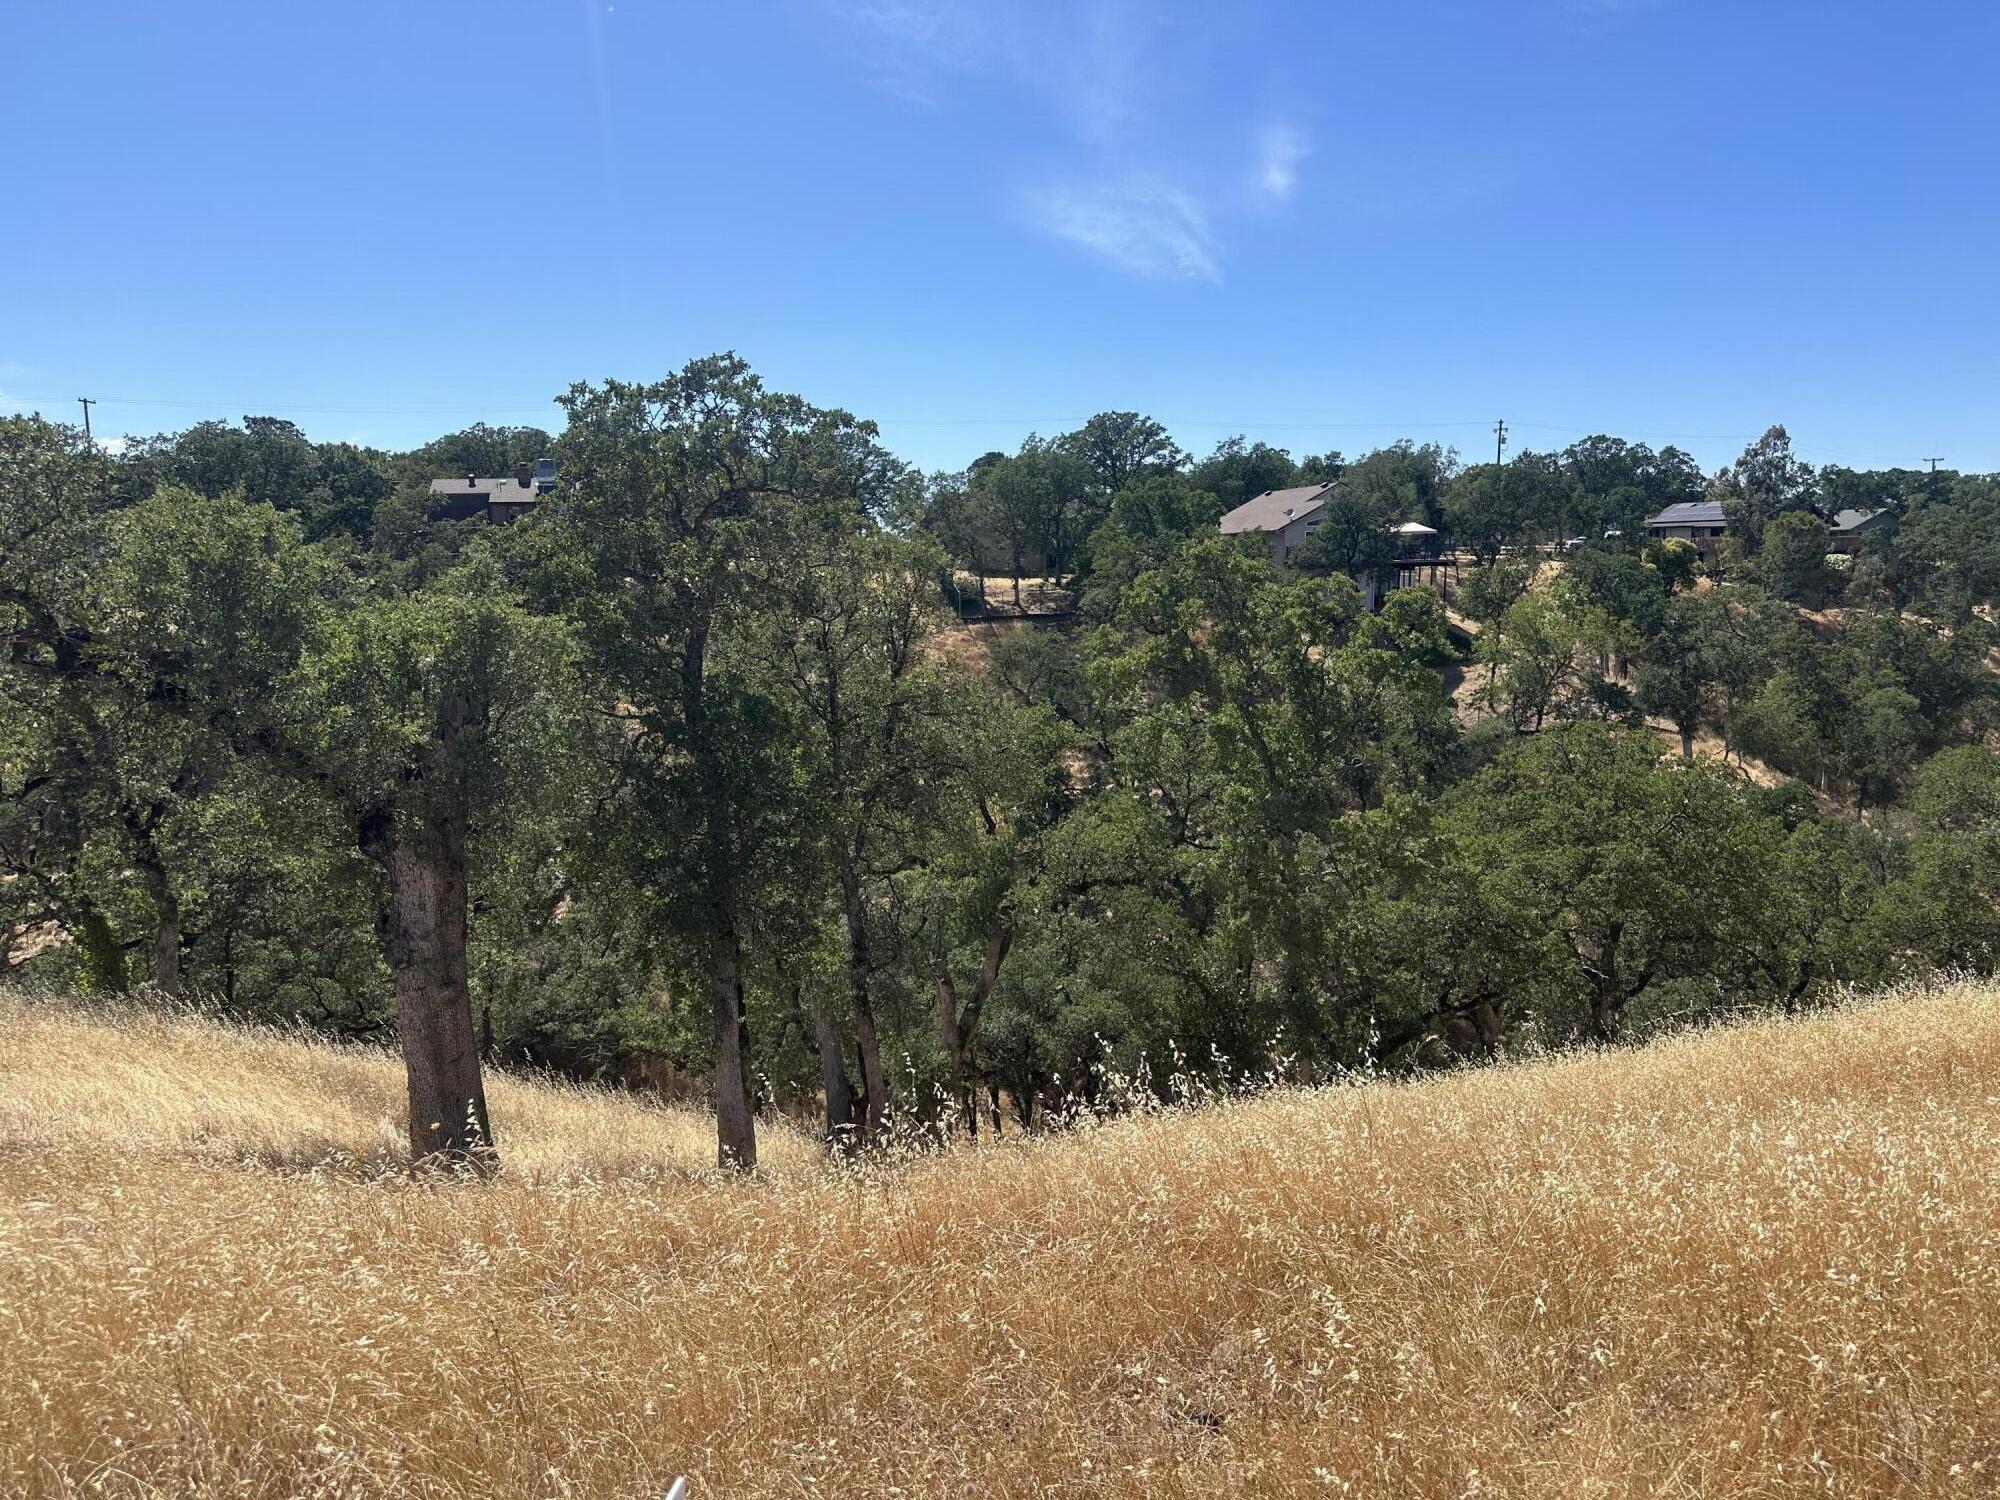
(1326, 225)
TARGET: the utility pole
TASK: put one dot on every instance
(87, 403)
(1934, 462)
(1499, 443)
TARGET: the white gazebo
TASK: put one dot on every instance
(1418, 560)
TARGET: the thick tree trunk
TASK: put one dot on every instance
(957, 1027)
(951, 1039)
(1611, 989)
(422, 926)
(165, 964)
(874, 1081)
(1473, 1029)
(1605, 1014)
(1687, 742)
(834, 1082)
(1027, 1100)
(735, 1121)
(167, 947)
(163, 967)
(104, 959)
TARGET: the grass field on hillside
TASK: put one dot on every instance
(1760, 1261)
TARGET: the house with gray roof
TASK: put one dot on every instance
(1285, 518)
(1849, 530)
(497, 501)
(1698, 521)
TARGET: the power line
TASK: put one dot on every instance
(475, 408)
(278, 406)
(1047, 420)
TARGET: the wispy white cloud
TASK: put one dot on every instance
(910, 44)
(947, 32)
(1148, 229)
(1094, 58)
(1123, 194)
(1280, 151)
(1081, 59)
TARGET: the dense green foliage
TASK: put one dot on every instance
(723, 791)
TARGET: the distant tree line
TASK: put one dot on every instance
(690, 779)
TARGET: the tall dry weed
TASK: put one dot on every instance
(1758, 1261)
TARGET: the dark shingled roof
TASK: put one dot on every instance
(1274, 510)
(1689, 513)
(506, 487)
(1853, 520)
(468, 495)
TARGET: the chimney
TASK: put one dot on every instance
(471, 480)
(524, 475)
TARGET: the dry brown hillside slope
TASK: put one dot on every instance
(1761, 1261)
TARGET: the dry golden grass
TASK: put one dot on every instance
(1764, 1261)
(129, 1080)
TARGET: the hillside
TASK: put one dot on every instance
(1754, 1261)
